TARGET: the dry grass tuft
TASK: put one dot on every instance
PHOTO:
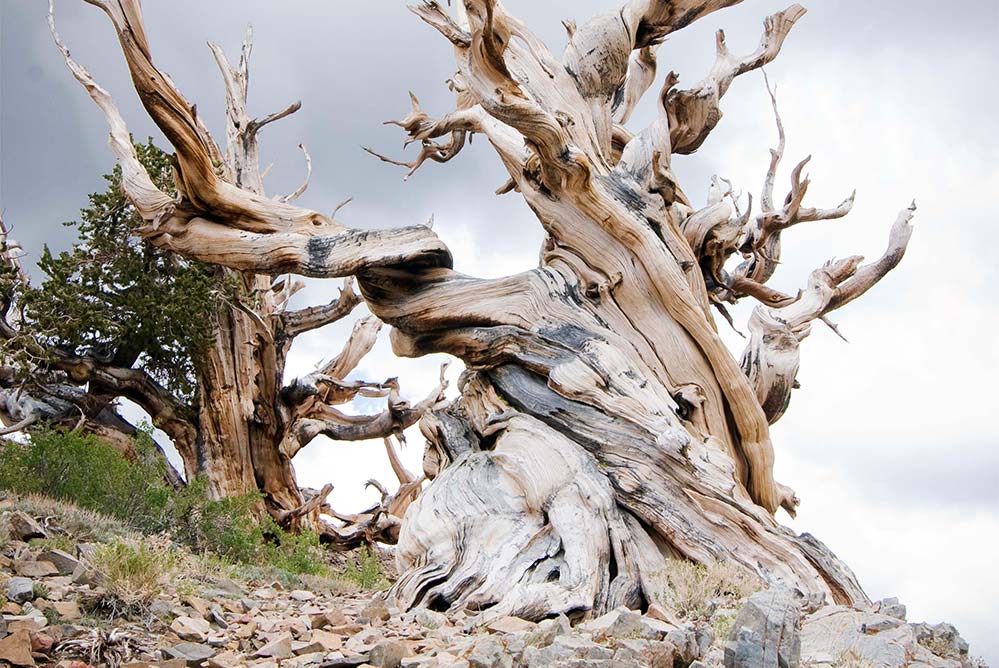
(133, 572)
(65, 519)
(690, 590)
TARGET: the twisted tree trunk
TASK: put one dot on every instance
(603, 428)
(245, 424)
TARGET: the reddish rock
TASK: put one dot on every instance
(35, 569)
(15, 649)
(41, 642)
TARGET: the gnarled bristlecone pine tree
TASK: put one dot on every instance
(208, 366)
(603, 427)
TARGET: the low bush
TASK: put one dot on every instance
(690, 590)
(366, 570)
(87, 473)
(295, 553)
(224, 527)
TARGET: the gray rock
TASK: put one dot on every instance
(374, 612)
(943, 640)
(20, 590)
(84, 575)
(339, 660)
(86, 551)
(228, 586)
(640, 652)
(264, 593)
(388, 654)
(192, 653)
(515, 643)
(278, 648)
(624, 623)
(836, 634)
(704, 635)
(605, 624)
(510, 624)
(160, 608)
(24, 527)
(64, 563)
(571, 650)
(547, 630)
(881, 624)
(315, 659)
(217, 616)
(429, 619)
(489, 652)
(364, 641)
(765, 633)
(686, 641)
(191, 628)
(34, 568)
(891, 607)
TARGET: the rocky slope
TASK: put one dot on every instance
(61, 609)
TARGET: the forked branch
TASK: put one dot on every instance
(694, 112)
(217, 221)
(314, 317)
(772, 357)
(762, 243)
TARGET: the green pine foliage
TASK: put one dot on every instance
(123, 300)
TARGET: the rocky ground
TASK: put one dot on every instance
(56, 612)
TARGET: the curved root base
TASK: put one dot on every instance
(534, 527)
(530, 529)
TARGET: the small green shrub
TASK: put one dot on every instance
(51, 616)
(296, 553)
(366, 572)
(722, 623)
(81, 470)
(39, 590)
(64, 543)
(88, 472)
(225, 527)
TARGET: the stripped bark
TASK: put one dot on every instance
(602, 427)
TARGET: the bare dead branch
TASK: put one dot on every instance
(694, 112)
(314, 317)
(305, 184)
(772, 356)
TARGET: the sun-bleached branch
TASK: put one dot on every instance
(772, 357)
(694, 112)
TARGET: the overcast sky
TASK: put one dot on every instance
(890, 442)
